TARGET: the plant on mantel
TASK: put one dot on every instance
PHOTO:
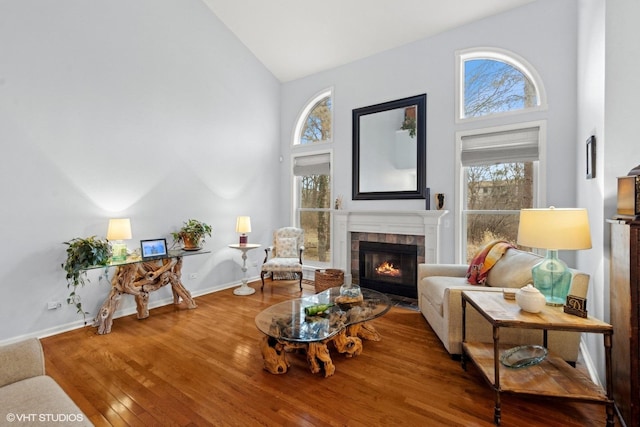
(409, 124)
(192, 234)
(83, 254)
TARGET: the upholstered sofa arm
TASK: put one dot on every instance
(448, 270)
(21, 360)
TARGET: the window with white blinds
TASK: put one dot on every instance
(498, 177)
(314, 164)
(519, 145)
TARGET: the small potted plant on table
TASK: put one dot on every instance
(192, 234)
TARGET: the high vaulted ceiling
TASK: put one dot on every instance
(296, 38)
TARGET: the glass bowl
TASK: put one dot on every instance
(523, 356)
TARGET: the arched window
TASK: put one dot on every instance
(494, 81)
(314, 124)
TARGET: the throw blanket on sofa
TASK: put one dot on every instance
(485, 259)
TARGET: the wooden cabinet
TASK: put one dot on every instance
(625, 307)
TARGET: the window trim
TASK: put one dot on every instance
(539, 175)
(302, 116)
(501, 55)
(295, 200)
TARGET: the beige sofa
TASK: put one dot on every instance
(28, 397)
(440, 288)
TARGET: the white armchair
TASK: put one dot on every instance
(286, 255)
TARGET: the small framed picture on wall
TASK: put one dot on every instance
(591, 157)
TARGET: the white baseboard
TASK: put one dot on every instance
(80, 323)
(588, 361)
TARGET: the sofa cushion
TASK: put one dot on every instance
(485, 259)
(513, 270)
(21, 360)
(40, 397)
(433, 288)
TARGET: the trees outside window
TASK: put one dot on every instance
(316, 119)
(498, 166)
(495, 194)
(494, 81)
(314, 216)
(312, 179)
(492, 87)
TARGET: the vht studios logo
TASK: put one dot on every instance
(45, 418)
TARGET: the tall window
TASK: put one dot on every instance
(499, 174)
(493, 81)
(312, 199)
(498, 167)
(315, 122)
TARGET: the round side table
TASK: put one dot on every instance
(244, 289)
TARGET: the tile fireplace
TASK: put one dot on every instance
(391, 268)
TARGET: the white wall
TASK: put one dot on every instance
(608, 108)
(589, 194)
(544, 33)
(151, 110)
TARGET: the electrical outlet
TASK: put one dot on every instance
(193, 276)
(52, 305)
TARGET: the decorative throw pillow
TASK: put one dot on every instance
(485, 259)
(286, 247)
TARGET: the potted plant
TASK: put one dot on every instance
(409, 124)
(192, 234)
(83, 254)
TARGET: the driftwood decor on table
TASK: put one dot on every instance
(139, 279)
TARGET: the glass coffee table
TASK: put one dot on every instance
(287, 328)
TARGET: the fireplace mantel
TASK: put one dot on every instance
(425, 223)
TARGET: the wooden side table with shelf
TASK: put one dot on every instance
(551, 378)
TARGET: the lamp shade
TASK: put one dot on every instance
(243, 224)
(554, 228)
(119, 229)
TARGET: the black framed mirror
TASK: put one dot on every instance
(389, 150)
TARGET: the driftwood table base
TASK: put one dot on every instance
(347, 342)
(138, 280)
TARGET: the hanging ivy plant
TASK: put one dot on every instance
(83, 254)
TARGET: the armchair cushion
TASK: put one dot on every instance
(286, 247)
(282, 264)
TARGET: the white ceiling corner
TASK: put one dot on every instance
(296, 38)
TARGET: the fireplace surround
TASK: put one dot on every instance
(421, 228)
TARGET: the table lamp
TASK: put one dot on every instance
(243, 226)
(553, 229)
(119, 230)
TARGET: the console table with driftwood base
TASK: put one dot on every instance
(139, 278)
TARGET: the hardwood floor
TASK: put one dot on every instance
(204, 367)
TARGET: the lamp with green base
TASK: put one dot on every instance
(553, 229)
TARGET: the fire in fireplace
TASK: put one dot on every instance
(389, 268)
